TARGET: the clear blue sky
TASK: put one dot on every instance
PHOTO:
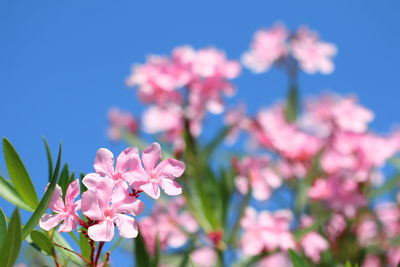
(63, 63)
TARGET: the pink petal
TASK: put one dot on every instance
(90, 206)
(49, 221)
(137, 174)
(69, 224)
(56, 202)
(104, 162)
(127, 226)
(170, 168)
(72, 192)
(103, 231)
(171, 187)
(150, 156)
(104, 192)
(124, 159)
(91, 180)
(151, 190)
(129, 205)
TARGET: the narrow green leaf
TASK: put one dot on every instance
(44, 203)
(142, 256)
(49, 157)
(156, 259)
(84, 245)
(3, 225)
(191, 261)
(64, 179)
(19, 175)
(8, 192)
(12, 241)
(42, 241)
(296, 259)
(292, 105)
(242, 209)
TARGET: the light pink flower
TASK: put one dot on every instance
(367, 232)
(335, 226)
(120, 121)
(154, 175)
(371, 261)
(266, 231)
(313, 54)
(263, 180)
(204, 257)
(267, 47)
(107, 206)
(313, 244)
(66, 212)
(237, 120)
(104, 167)
(389, 214)
(393, 257)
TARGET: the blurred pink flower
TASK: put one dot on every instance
(312, 54)
(107, 206)
(204, 257)
(154, 175)
(393, 257)
(266, 231)
(335, 226)
(389, 215)
(371, 261)
(237, 120)
(120, 121)
(66, 212)
(280, 259)
(367, 232)
(267, 47)
(313, 244)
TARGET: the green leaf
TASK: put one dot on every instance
(42, 241)
(84, 245)
(156, 259)
(8, 192)
(191, 261)
(44, 203)
(64, 179)
(19, 175)
(296, 259)
(59, 239)
(49, 157)
(142, 256)
(12, 241)
(3, 225)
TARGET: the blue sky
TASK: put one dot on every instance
(63, 63)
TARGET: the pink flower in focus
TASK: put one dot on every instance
(120, 121)
(313, 244)
(104, 167)
(204, 257)
(107, 206)
(260, 174)
(152, 176)
(66, 212)
(312, 54)
(266, 231)
(268, 47)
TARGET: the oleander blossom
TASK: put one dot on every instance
(108, 207)
(153, 175)
(119, 122)
(64, 211)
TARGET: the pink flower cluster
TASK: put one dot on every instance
(112, 191)
(120, 121)
(183, 86)
(276, 45)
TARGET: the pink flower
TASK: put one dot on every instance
(266, 231)
(262, 178)
(335, 226)
(120, 121)
(107, 206)
(104, 166)
(204, 257)
(367, 232)
(237, 120)
(66, 212)
(371, 261)
(268, 47)
(152, 176)
(280, 259)
(313, 244)
(312, 54)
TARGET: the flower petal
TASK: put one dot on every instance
(124, 159)
(90, 206)
(103, 231)
(150, 156)
(170, 168)
(104, 192)
(171, 187)
(49, 221)
(91, 180)
(56, 202)
(69, 224)
(152, 191)
(129, 205)
(127, 226)
(73, 191)
(104, 162)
